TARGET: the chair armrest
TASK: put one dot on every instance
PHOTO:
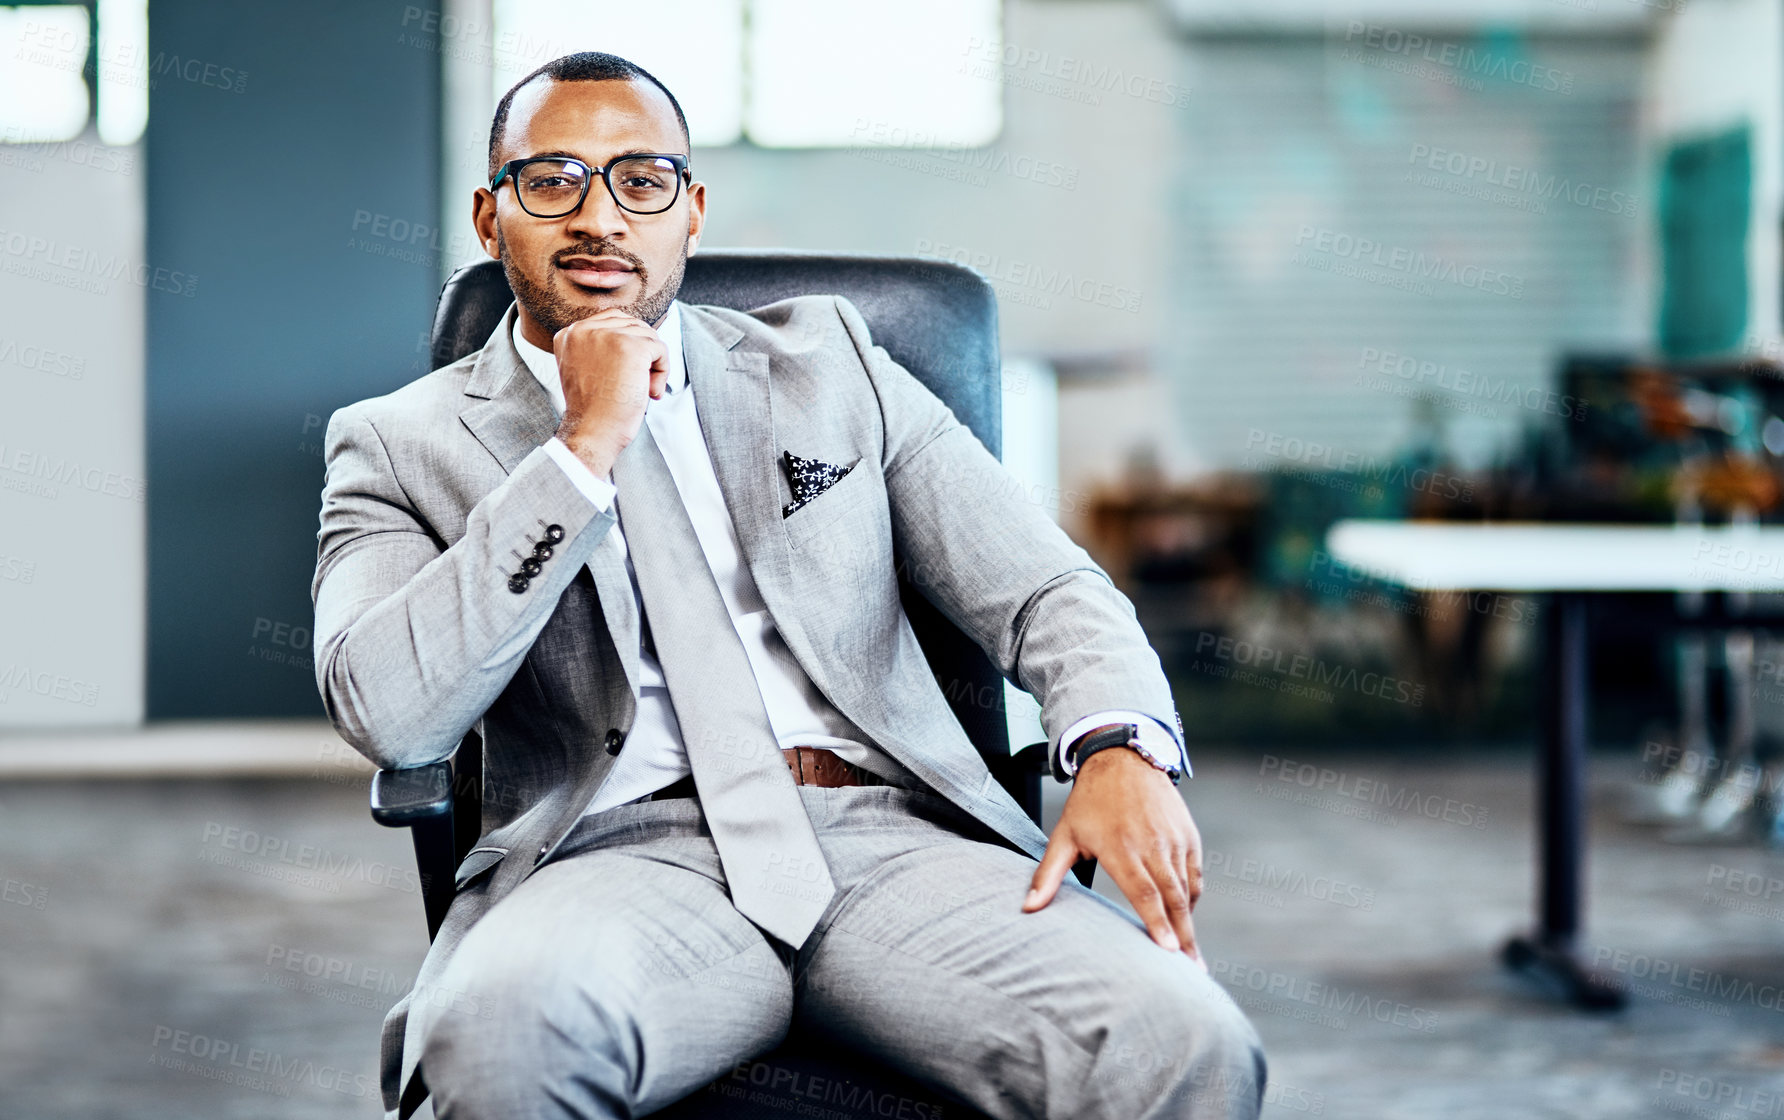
(401, 798)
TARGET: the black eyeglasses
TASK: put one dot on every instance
(552, 186)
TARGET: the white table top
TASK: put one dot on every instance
(1513, 556)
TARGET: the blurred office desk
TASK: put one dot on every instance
(1567, 563)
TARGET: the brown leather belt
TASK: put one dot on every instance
(810, 766)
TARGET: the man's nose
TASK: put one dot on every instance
(599, 215)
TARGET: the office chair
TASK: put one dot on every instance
(937, 320)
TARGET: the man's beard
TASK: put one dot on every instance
(552, 311)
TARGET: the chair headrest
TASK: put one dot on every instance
(937, 319)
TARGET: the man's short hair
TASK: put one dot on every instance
(584, 66)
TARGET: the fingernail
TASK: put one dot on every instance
(1033, 893)
(1169, 941)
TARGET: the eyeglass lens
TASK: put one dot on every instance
(642, 184)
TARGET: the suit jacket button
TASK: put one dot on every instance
(531, 566)
(554, 533)
(543, 848)
(542, 550)
(517, 583)
(614, 739)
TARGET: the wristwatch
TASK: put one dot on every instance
(1120, 735)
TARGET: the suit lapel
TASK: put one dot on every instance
(733, 400)
(510, 414)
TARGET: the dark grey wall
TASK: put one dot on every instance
(292, 154)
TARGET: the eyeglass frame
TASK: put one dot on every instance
(511, 171)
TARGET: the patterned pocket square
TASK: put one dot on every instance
(809, 478)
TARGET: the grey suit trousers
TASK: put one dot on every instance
(618, 977)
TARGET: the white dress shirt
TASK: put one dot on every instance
(799, 714)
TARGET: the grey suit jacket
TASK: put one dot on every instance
(437, 491)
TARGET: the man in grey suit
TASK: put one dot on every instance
(648, 548)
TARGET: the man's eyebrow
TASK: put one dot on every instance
(573, 155)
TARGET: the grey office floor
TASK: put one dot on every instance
(208, 948)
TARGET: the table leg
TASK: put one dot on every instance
(1549, 954)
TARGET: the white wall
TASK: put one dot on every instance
(72, 288)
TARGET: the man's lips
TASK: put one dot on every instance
(603, 273)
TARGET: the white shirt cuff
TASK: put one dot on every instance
(1154, 736)
(595, 489)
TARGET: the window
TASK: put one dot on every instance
(123, 70)
(785, 73)
(869, 72)
(705, 70)
(44, 94)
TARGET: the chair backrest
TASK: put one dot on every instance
(937, 320)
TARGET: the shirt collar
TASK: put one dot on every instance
(542, 364)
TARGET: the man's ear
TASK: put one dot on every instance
(696, 215)
(483, 219)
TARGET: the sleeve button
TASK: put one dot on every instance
(531, 566)
(542, 550)
(554, 533)
(517, 583)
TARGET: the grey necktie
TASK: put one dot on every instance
(770, 854)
